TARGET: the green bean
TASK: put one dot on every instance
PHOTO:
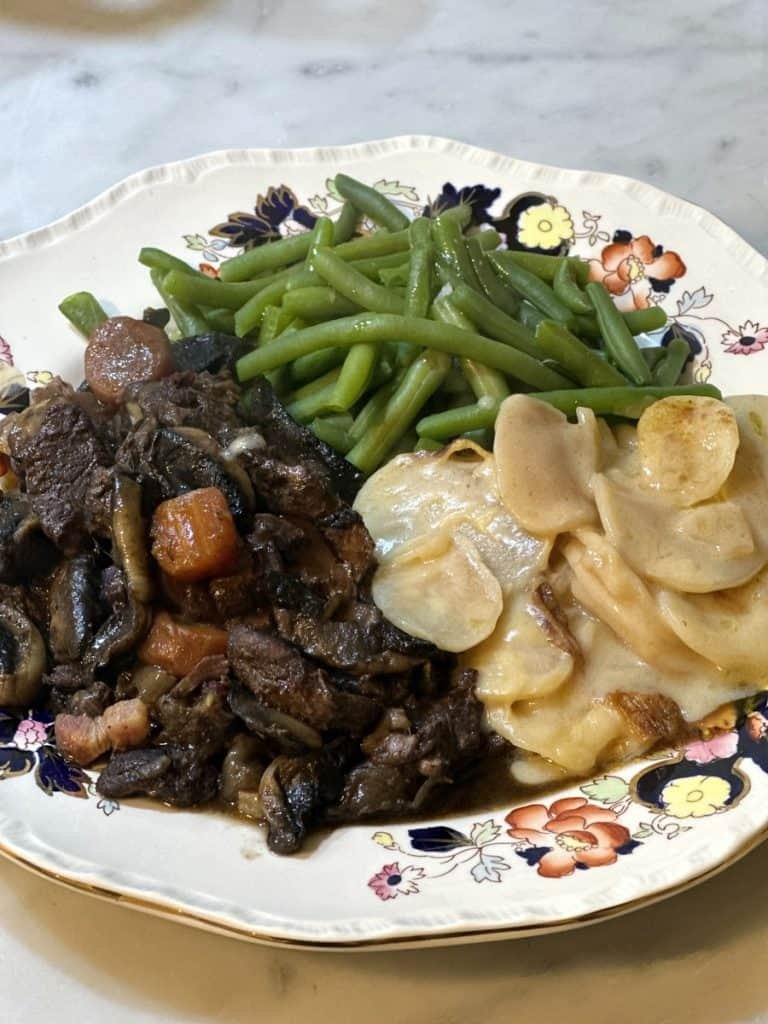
(404, 444)
(483, 438)
(569, 293)
(392, 277)
(219, 319)
(248, 317)
(492, 321)
(333, 432)
(314, 398)
(356, 373)
(461, 213)
(667, 371)
(426, 444)
(530, 317)
(315, 365)
(346, 223)
(617, 337)
(207, 291)
(164, 261)
(489, 239)
(372, 266)
(322, 236)
(652, 355)
(482, 380)
(373, 410)
(442, 426)
(420, 381)
(273, 323)
(586, 328)
(578, 361)
(302, 278)
(382, 243)
(319, 302)
(506, 300)
(267, 257)
(187, 319)
(419, 288)
(370, 202)
(383, 327)
(452, 250)
(545, 267)
(538, 292)
(355, 286)
(643, 321)
(627, 402)
(83, 311)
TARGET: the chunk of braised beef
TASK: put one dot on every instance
(295, 791)
(366, 643)
(203, 400)
(168, 463)
(348, 537)
(236, 595)
(281, 678)
(25, 551)
(62, 465)
(277, 732)
(211, 352)
(69, 678)
(377, 790)
(296, 444)
(176, 775)
(298, 489)
(202, 722)
(287, 592)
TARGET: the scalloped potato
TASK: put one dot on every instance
(629, 563)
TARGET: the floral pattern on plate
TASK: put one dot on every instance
(613, 818)
(637, 270)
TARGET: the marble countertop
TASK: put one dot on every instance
(673, 93)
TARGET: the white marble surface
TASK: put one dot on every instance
(672, 91)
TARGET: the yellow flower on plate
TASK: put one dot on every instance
(385, 839)
(545, 226)
(696, 796)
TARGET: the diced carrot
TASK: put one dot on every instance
(176, 647)
(194, 536)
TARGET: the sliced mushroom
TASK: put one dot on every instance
(25, 551)
(22, 657)
(278, 730)
(73, 604)
(122, 632)
(129, 537)
(242, 769)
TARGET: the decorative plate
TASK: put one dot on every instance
(595, 849)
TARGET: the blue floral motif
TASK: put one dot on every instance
(270, 212)
(27, 744)
(479, 198)
(437, 839)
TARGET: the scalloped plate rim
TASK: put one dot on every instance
(401, 932)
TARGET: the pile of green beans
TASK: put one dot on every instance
(414, 333)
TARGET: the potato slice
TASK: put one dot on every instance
(608, 588)
(747, 484)
(696, 550)
(729, 628)
(415, 494)
(438, 588)
(687, 447)
(545, 464)
(518, 661)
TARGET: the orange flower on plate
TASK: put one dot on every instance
(633, 268)
(577, 832)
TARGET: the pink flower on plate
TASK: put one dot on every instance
(756, 726)
(30, 734)
(745, 340)
(722, 744)
(576, 832)
(394, 881)
(6, 356)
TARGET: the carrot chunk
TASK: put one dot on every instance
(194, 536)
(176, 647)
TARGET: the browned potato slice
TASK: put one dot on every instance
(545, 464)
(687, 446)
